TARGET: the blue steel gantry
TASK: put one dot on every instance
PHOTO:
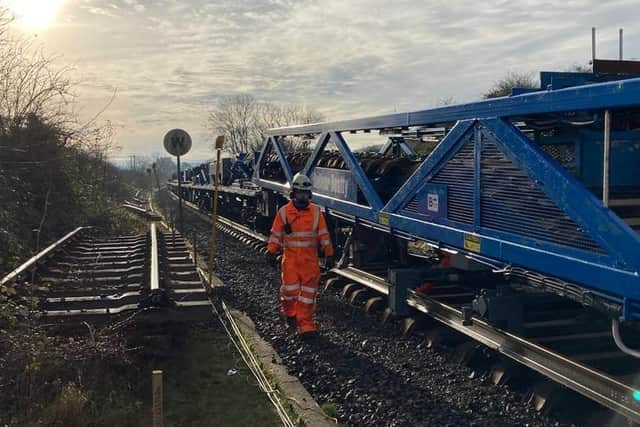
(544, 181)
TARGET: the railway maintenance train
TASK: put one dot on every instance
(532, 200)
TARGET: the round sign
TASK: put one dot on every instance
(177, 142)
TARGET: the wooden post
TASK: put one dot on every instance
(156, 393)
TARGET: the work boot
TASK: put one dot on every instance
(292, 325)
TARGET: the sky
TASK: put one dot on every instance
(168, 61)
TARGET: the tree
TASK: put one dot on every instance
(244, 122)
(579, 68)
(235, 118)
(30, 85)
(512, 80)
(275, 116)
(53, 167)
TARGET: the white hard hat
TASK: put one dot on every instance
(301, 182)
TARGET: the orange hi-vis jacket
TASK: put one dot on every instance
(300, 268)
(308, 228)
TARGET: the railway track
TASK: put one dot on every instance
(82, 276)
(568, 345)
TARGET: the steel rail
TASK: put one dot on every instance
(582, 379)
(34, 259)
(134, 208)
(85, 298)
(226, 221)
(243, 229)
(593, 384)
(154, 279)
(90, 311)
(108, 292)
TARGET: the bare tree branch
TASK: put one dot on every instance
(512, 80)
(245, 121)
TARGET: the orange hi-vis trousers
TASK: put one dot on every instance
(300, 264)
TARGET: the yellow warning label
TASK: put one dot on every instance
(383, 218)
(472, 242)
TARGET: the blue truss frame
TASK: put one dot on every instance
(388, 146)
(619, 94)
(614, 273)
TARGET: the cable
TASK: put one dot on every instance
(615, 331)
(242, 346)
(249, 359)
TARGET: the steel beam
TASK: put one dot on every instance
(600, 96)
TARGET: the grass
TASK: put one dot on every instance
(198, 391)
(329, 409)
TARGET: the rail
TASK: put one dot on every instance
(593, 384)
(225, 221)
(107, 276)
(243, 229)
(40, 255)
(154, 280)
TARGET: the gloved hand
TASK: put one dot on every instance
(329, 262)
(272, 259)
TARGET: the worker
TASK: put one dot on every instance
(299, 227)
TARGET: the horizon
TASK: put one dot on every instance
(168, 62)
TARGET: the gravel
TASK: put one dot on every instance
(365, 368)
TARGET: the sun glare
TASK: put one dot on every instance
(33, 14)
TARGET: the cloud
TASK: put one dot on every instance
(171, 59)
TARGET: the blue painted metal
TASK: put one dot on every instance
(624, 156)
(277, 144)
(337, 183)
(477, 136)
(605, 255)
(264, 153)
(326, 201)
(273, 143)
(432, 201)
(400, 143)
(443, 149)
(399, 281)
(619, 94)
(559, 80)
(321, 143)
(606, 228)
(609, 280)
(358, 174)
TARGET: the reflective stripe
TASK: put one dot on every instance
(299, 244)
(325, 242)
(274, 239)
(293, 287)
(283, 214)
(303, 234)
(276, 233)
(306, 300)
(286, 298)
(316, 217)
(308, 289)
(323, 231)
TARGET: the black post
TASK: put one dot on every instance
(180, 222)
